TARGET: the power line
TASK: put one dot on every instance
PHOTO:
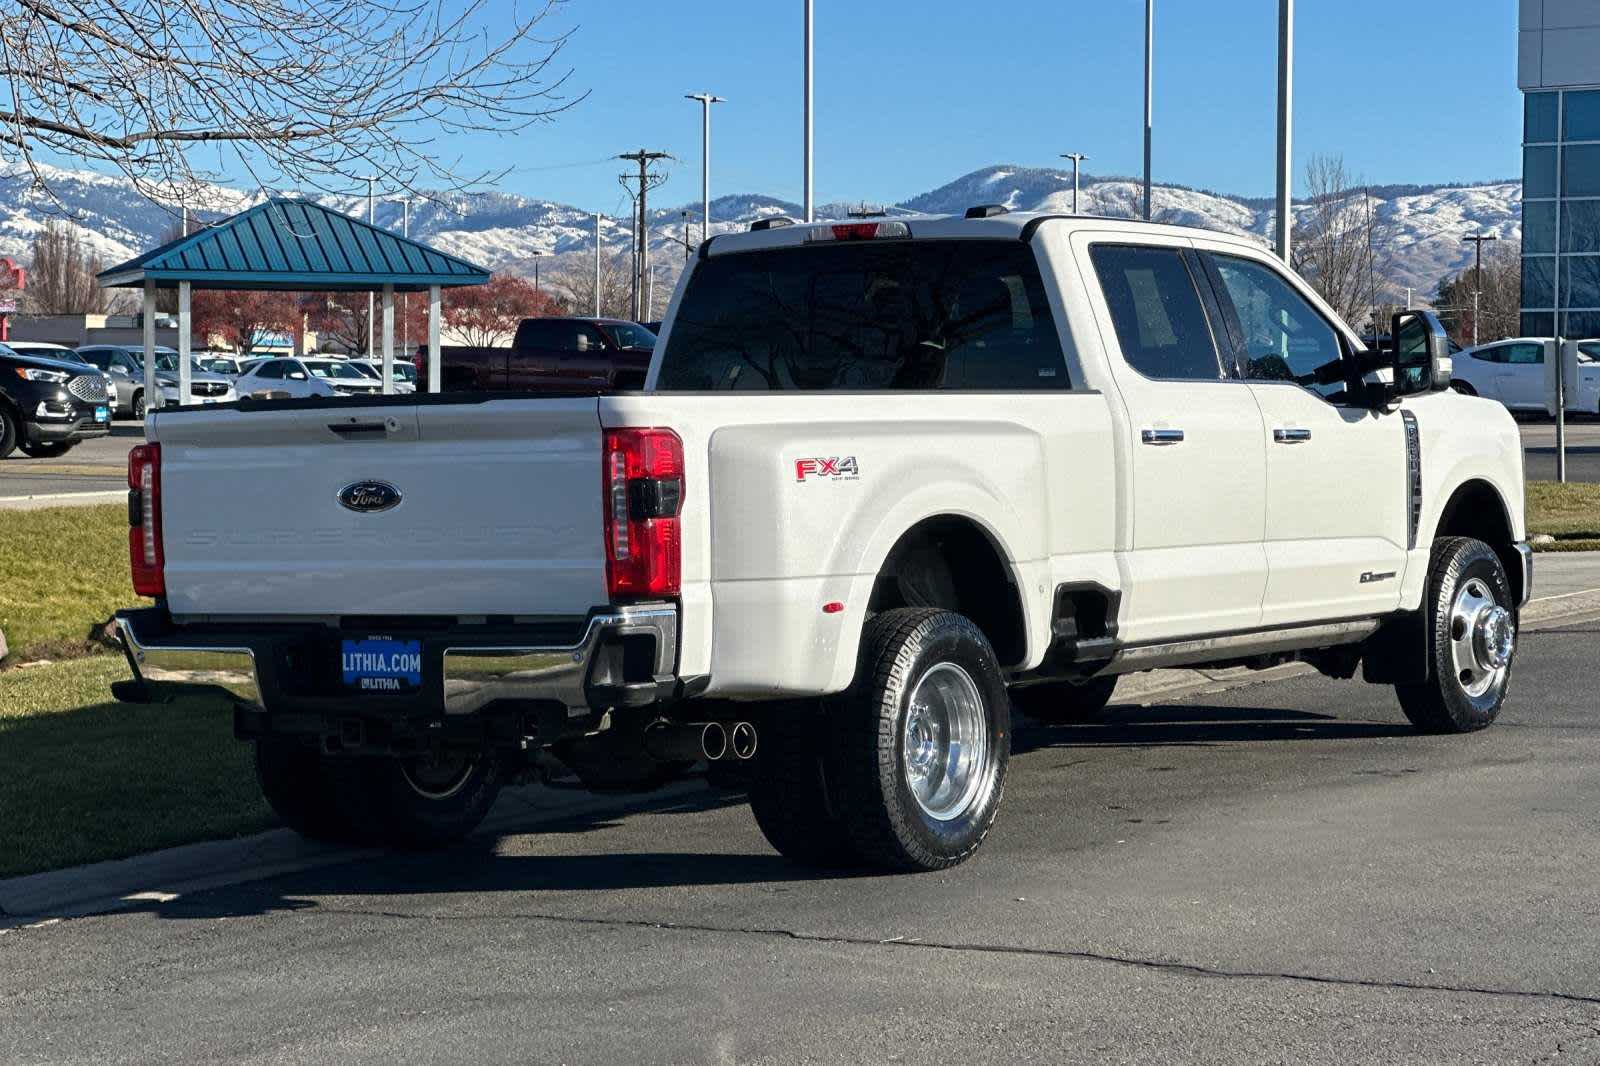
(643, 294)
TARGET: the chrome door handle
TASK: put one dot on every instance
(1292, 435)
(1161, 436)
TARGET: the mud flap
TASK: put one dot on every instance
(1397, 654)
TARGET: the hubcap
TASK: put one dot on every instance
(945, 742)
(1483, 637)
(438, 777)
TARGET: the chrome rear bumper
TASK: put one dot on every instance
(608, 658)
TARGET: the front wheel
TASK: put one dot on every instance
(9, 431)
(920, 741)
(1472, 638)
(138, 406)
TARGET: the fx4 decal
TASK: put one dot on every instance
(838, 468)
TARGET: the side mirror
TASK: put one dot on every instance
(119, 369)
(297, 375)
(1421, 354)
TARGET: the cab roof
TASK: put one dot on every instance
(1005, 225)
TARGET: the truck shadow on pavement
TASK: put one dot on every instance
(524, 861)
(1196, 725)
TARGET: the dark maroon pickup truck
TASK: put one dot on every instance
(554, 353)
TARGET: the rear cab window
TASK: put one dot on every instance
(866, 315)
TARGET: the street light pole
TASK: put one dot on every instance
(536, 256)
(706, 100)
(810, 204)
(372, 215)
(1477, 240)
(1076, 157)
(1149, 58)
(1285, 123)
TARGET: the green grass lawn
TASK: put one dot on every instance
(84, 778)
(1569, 512)
(62, 570)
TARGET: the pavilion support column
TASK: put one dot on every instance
(185, 396)
(388, 338)
(435, 373)
(152, 395)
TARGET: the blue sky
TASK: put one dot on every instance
(910, 95)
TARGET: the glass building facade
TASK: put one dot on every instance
(1561, 213)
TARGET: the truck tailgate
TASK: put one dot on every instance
(499, 509)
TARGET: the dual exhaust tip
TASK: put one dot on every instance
(689, 741)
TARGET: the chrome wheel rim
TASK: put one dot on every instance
(438, 777)
(945, 742)
(1483, 637)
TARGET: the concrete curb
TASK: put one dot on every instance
(165, 875)
(61, 499)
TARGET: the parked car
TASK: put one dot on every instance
(225, 363)
(554, 354)
(881, 473)
(1512, 371)
(405, 374)
(125, 362)
(44, 350)
(296, 378)
(49, 405)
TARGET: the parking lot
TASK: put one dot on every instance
(1283, 872)
(100, 465)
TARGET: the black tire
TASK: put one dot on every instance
(46, 451)
(1463, 571)
(1065, 702)
(888, 826)
(788, 787)
(137, 406)
(10, 430)
(294, 781)
(416, 802)
(1463, 388)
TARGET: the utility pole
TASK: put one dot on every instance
(372, 214)
(706, 100)
(686, 236)
(642, 289)
(405, 298)
(536, 256)
(810, 202)
(1149, 58)
(1285, 123)
(1477, 283)
(1076, 157)
(597, 264)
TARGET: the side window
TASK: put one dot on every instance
(534, 333)
(272, 369)
(1524, 353)
(97, 357)
(589, 339)
(1285, 339)
(1496, 354)
(1161, 325)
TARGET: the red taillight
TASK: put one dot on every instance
(859, 231)
(144, 520)
(643, 482)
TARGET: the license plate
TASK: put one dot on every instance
(381, 664)
(102, 414)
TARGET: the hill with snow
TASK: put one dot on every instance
(1419, 228)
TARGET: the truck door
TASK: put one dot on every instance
(1337, 501)
(1197, 476)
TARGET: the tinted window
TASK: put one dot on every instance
(1161, 326)
(1490, 355)
(867, 315)
(273, 369)
(628, 335)
(1524, 353)
(1285, 339)
(536, 333)
(98, 356)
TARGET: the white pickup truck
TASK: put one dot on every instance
(885, 480)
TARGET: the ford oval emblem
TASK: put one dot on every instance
(369, 496)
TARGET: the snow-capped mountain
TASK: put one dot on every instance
(1419, 228)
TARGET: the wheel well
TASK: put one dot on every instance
(1476, 510)
(950, 562)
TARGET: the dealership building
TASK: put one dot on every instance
(1558, 71)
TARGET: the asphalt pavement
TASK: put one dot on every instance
(1280, 873)
(1583, 450)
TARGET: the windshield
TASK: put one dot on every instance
(629, 335)
(1589, 351)
(331, 368)
(169, 361)
(902, 314)
(220, 366)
